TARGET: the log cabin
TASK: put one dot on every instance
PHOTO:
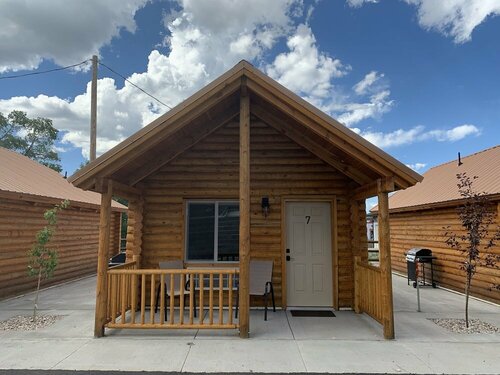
(27, 190)
(420, 214)
(244, 169)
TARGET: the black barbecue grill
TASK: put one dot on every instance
(417, 256)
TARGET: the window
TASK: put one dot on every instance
(212, 231)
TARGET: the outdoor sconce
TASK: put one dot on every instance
(266, 207)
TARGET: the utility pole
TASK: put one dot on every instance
(93, 110)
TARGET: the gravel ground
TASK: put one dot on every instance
(26, 323)
(458, 326)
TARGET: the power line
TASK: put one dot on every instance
(81, 63)
(133, 84)
(46, 71)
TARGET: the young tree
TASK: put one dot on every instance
(33, 138)
(43, 260)
(477, 217)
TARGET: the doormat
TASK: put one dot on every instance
(312, 313)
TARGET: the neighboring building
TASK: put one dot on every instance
(246, 169)
(419, 214)
(27, 190)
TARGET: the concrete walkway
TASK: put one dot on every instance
(347, 343)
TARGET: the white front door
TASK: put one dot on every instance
(309, 254)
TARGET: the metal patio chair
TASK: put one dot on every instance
(261, 284)
(173, 265)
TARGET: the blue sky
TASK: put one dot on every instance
(419, 78)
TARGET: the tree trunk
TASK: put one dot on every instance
(36, 295)
(467, 289)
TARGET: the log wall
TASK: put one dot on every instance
(75, 240)
(425, 229)
(278, 167)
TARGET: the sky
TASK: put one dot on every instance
(418, 78)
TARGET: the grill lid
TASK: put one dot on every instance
(413, 254)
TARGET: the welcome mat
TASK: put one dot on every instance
(313, 313)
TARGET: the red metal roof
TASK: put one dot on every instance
(440, 182)
(20, 174)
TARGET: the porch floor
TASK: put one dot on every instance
(345, 343)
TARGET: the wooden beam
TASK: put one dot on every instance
(325, 131)
(372, 189)
(298, 107)
(125, 191)
(244, 297)
(102, 262)
(140, 142)
(385, 263)
(302, 140)
(185, 142)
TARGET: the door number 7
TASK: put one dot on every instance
(308, 219)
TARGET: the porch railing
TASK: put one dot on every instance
(368, 289)
(133, 294)
(121, 301)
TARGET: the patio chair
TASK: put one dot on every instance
(261, 276)
(173, 265)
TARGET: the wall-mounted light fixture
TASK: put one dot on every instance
(266, 207)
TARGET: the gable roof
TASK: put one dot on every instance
(216, 104)
(440, 183)
(21, 176)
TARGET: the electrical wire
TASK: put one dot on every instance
(133, 84)
(81, 63)
(46, 71)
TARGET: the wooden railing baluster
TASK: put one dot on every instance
(162, 298)
(211, 299)
(230, 298)
(191, 298)
(134, 298)
(172, 298)
(202, 308)
(113, 298)
(221, 299)
(123, 290)
(143, 298)
(181, 301)
(152, 300)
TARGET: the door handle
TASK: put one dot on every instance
(288, 258)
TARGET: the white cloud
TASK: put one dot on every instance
(358, 3)
(417, 166)
(202, 44)
(66, 32)
(366, 84)
(454, 18)
(304, 69)
(454, 134)
(198, 41)
(353, 112)
(418, 134)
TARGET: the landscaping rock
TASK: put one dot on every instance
(26, 323)
(458, 326)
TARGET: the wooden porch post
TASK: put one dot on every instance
(385, 262)
(102, 261)
(244, 297)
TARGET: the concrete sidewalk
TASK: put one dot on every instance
(347, 343)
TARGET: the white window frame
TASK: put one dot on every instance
(216, 202)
